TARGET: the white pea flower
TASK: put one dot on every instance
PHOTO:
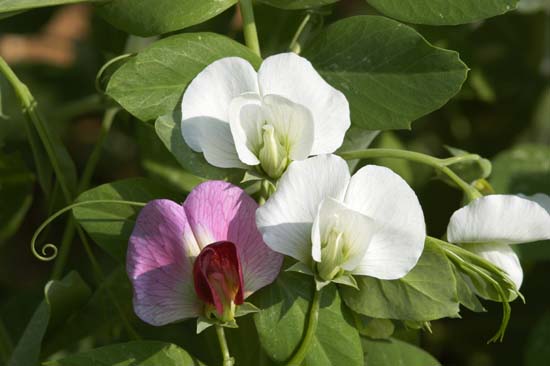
(370, 224)
(240, 118)
(488, 225)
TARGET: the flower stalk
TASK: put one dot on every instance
(227, 359)
(313, 319)
(249, 26)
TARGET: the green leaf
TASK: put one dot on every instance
(62, 298)
(297, 4)
(426, 293)
(442, 12)
(19, 5)
(537, 351)
(139, 353)
(151, 84)
(522, 169)
(394, 352)
(374, 328)
(529, 6)
(152, 17)
(390, 74)
(16, 186)
(356, 139)
(285, 307)
(170, 133)
(110, 224)
(97, 315)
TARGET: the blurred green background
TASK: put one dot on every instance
(502, 113)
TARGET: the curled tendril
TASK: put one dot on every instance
(103, 68)
(42, 254)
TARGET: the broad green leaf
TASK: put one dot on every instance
(374, 328)
(111, 224)
(170, 134)
(442, 12)
(151, 84)
(97, 315)
(394, 352)
(356, 139)
(285, 307)
(529, 6)
(152, 17)
(537, 351)
(426, 293)
(390, 74)
(62, 298)
(19, 5)
(138, 353)
(522, 169)
(297, 4)
(16, 185)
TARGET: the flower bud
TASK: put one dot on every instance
(218, 280)
(273, 155)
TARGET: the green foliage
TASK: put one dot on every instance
(151, 84)
(285, 307)
(16, 184)
(522, 169)
(110, 224)
(442, 12)
(537, 351)
(297, 4)
(394, 352)
(138, 353)
(425, 293)
(169, 132)
(390, 79)
(152, 17)
(61, 299)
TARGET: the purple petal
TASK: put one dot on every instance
(219, 211)
(159, 266)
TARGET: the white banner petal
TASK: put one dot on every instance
(400, 231)
(503, 219)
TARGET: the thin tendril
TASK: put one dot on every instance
(42, 254)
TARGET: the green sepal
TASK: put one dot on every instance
(253, 175)
(204, 323)
(300, 268)
(246, 308)
(346, 280)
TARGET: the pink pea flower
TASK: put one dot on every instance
(199, 259)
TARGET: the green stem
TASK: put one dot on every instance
(91, 164)
(296, 44)
(43, 255)
(313, 319)
(440, 164)
(28, 104)
(227, 359)
(249, 26)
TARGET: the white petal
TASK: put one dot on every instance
(294, 78)
(504, 219)
(285, 220)
(355, 227)
(293, 123)
(540, 198)
(501, 255)
(246, 121)
(205, 107)
(400, 231)
(216, 141)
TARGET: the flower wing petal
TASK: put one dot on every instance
(219, 211)
(501, 255)
(356, 230)
(293, 122)
(399, 228)
(246, 120)
(294, 78)
(504, 219)
(205, 108)
(540, 198)
(286, 219)
(159, 264)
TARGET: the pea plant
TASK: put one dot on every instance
(270, 220)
